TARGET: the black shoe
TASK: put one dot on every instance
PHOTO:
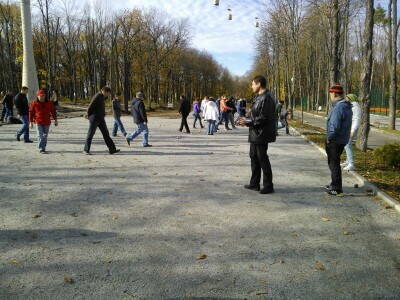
(252, 187)
(114, 135)
(18, 138)
(28, 142)
(148, 145)
(265, 191)
(43, 151)
(128, 142)
(86, 153)
(114, 151)
(328, 187)
(336, 193)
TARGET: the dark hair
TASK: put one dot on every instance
(24, 88)
(182, 97)
(261, 80)
(106, 89)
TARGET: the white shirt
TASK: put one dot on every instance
(356, 117)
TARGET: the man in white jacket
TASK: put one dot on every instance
(203, 105)
(349, 164)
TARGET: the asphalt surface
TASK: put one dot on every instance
(134, 225)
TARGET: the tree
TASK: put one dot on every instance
(393, 31)
(365, 85)
(29, 73)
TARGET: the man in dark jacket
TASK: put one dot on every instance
(184, 110)
(140, 119)
(96, 113)
(262, 131)
(337, 136)
(21, 103)
(3, 111)
(8, 102)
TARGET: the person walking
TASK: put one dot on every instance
(203, 105)
(211, 114)
(355, 124)
(184, 110)
(337, 136)
(231, 113)
(225, 109)
(40, 112)
(262, 132)
(196, 114)
(96, 113)
(8, 102)
(283, 117)
(140, 119)
(3, 111)
(117, 112)
(241, 108)
(22, 106)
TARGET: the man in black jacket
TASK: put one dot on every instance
(262, 131)
(140, 119)
(96, 114)
(21, 103)
(184, 110)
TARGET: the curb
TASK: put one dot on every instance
(390, 201)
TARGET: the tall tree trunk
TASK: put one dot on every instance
(393, 66)
(29, 73)
(365, 86)
(335, 57)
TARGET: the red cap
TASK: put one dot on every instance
(41, 93)
(337, 88)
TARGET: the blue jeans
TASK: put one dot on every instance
(25, 128)
(349, 150)
(211, 126)
(118, 124)
(42, 133)
(141, 128)
(9, 113)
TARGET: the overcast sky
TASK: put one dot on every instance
(230, 42)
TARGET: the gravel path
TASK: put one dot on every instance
(133, 225)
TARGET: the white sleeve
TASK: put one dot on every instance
(356, 117)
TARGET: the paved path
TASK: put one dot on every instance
(376, 138)
(131, 226)
(383, 121)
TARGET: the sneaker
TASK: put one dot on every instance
(265, 191)
(349, 168)
(86, 153)
(28, 142)
(148, 145)
(114, 135)
(328, 187)
(343, 165)
(335, 193)
(114, 151)
(128, 142)
(18, 138)
(42, 151)
(252, 187)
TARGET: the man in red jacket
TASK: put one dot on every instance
(40, 112)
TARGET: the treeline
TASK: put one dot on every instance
(129, 50)
(304, 46)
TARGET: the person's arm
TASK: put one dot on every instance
(142, 111)
(335, 123)
(92, 106)
(266, 111)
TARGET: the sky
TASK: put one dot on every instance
(230, 42)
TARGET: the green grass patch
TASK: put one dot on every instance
(368, 166)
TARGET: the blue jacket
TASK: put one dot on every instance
(339, 122)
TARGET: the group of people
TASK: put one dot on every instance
(263, 120)
(213, 111)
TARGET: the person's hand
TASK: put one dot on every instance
(86, 116)
(327, 142)
(31, 125)
(55, 123)
(242, 122)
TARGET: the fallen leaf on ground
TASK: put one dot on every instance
(15, 262)
(35, 216)
(320, 267)
(68, 279)
(346, 233)
(201, 256)
(324, 219)
(115, 217)
(109, 261)
(202, 180)
(389, 207)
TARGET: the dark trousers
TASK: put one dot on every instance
(260, 161)
(184, 123)
(197, 117)
(94, 123)
(3, 112)
(285, 123)
(334, 151)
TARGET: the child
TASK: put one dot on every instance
(116, 106)
(40, 112)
